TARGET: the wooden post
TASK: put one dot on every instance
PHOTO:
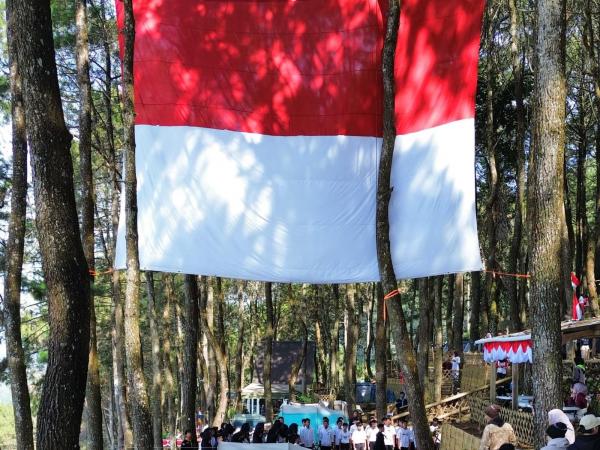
(570, 350)
(492, 383)
(515, 386)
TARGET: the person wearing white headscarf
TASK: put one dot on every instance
(557, 415)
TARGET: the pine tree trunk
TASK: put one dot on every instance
(516, 252)
(138, 394)
(297, 365)
(169, 390)
(405, 353)
(380, 356)
(14, 250)
(124, 433)
(438, 351)
(459, 313)
(449, 309)
(545, 206)
(351, 350)
(474, 319)
(220, 355)
(64, 265)
(190, 356)
(267, 362)
(492, 204)
(237, 371)
(334, 378)
(592, 243)
(370, 333)
(93, 397)
(320, 302)
(206, 310)
(568, 237)
(580, 205)
(425, 307)
(155, 326)
(118, 332)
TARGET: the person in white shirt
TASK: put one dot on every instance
(326, 435)
(389, 433)
(307, 435)
(455, 372)
(344, 436)
(337, 432)
(405, 435)
(359, 437)
(371, 433)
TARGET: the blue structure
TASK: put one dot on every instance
(314, 412)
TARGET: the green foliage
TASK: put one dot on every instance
(307, 398)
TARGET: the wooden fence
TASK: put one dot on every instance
(453, 438)
(521, 421)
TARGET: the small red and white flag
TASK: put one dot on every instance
(258, 130)
(574, 281)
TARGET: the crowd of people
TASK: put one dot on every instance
(561, 434)
(352, 435)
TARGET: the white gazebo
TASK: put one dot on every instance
(517, 348)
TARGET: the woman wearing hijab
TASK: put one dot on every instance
(558, 416)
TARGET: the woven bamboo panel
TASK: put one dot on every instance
(522, 422)
(473, 359)
(456, 439)
(474, 376)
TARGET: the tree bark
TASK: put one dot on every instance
(14, 250)
(580, 199)
(475, 306)
(190, 356)
(425, 306)
(295, 370)
(93, 396)
(517, 252)
(141, 417)
(405, 352)
(238, 374)
(546, 205)
(459, 313)
(592, 242)
(320, 336)
(568, 237)
(64, 265)
(449, 309)
(118, 332)
(334, 378)
(169, 390)
(267, 362)
(154, 321)
(492, 204)
(438, 351)
(210, 380)
(350, 354)
(380, 356)
(221, 356)
(370, 334)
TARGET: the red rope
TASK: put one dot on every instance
(386, 297)
(95, 274)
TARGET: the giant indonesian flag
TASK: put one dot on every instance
(258, 134)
